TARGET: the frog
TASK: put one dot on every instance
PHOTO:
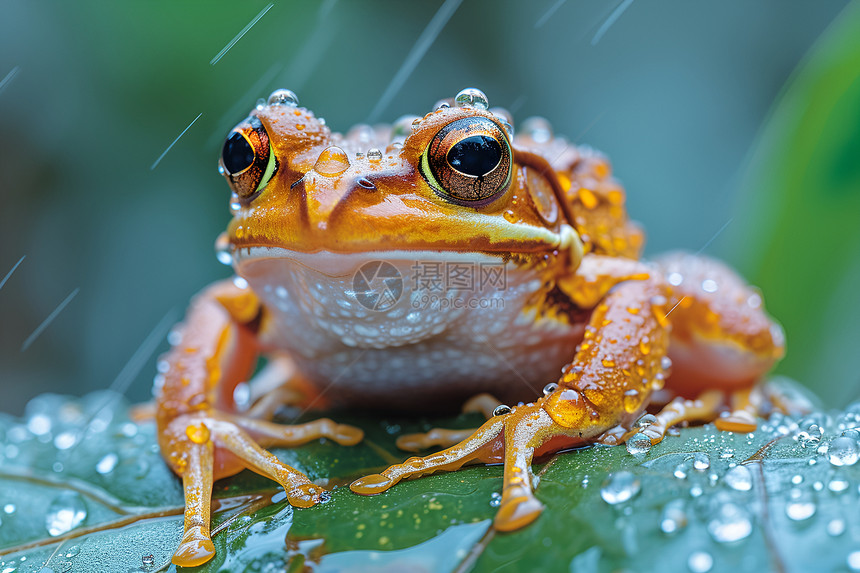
(439, 261)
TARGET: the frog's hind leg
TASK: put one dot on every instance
(196, 546)
(485, 404)
(269, 434)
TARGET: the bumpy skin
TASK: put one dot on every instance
(312, 207)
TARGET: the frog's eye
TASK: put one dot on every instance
(247, 160)
(469, 161)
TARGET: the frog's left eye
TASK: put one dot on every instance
(469, 161)
(247, 160)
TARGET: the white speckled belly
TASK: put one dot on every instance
(411, 329)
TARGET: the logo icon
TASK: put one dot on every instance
(377, 285)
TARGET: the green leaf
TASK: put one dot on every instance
(763, 501)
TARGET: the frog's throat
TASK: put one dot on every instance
(566, 242)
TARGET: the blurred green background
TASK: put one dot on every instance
(677, 92)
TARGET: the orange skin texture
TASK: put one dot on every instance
(562, 214)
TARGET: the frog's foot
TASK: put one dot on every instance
(789, 400)
(485, 404)
(746, 404)
(679, 410)
(511, 438)
(199, 438)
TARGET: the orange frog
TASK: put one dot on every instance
(419, 265)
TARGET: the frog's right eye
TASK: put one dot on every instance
(247, 160)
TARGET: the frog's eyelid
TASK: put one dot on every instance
(271, 167)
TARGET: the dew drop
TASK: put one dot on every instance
(730, 523)
(472, 97)
(501, 410)
(538, 129)
(739, 478)
(645, 421)
(842, 451)
(222, 250)
(800, 505)
(853, 561)
(148, 560)
(639, 444)
(700, 562)
(835, 527)
(332, 161)
(374, 154)
(838, 485)
(9, 508)
(701, 461)
(283, 97)
(620, 487)
(107, 463)
(673, 518)
(66, 512)
(809, 435)
(495, 499)
(550, 388)
(73, 551)
(631, 400)
(65, 440)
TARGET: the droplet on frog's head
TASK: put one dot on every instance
(620, 487)
(645, 421)
(501, 410)
(538, 129)
(222, 250)
(283, 97)
(66, 512)
(441, 104)
(374, 154)
(550, 388)
(261, 104)
(332, 162)
(639, 444)
(472, 97)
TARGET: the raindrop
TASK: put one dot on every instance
(374, 154)
(800, 505)
(696, 491)
(809, 435)
(402, 128)
(66, 512)
(666, 363)
(495, 499)
(638, 444)
(472, 97)
(701, 461)
(645, 421)
(620, 487)
(730, 523)
(501, 410)
(283, 97)
(680, 471)
(9, 508)
(853, 560)
(332, 161)
(838, 484)
(148, 560)
(73, 551)
(835, 527)
(673, 518)
(538, 129)
(65, 440)
(842, 452)
(261, 104)
(797, 479)
(700, 562)
(739, 478)
(852, 433)
(222, 250)
(107, 463)
(550, 388)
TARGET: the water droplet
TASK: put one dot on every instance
(620, 487)
(638, 444)
(666, 363)
(701, 461)
(65, 440)
(538, 129)
(332, 161)
(730, 523)
(9, 508)
(809, 434)
(645, 421)
(835, 527)
(709, 285)
(852, 433)
(700, 562)
(495, 499)
(680, 471)
(800, 505)
(148, 560)
(222, 250)
(739, 478)
(283, 97)
(472, 97)
(374, 154)
(842, 451)
(838, 484)
(66, 512)
(673, 518)
(550, 388)
(797, 479)
(107, 463)
(631, 400)
(853, 560)
(73, 551)
(501, 410)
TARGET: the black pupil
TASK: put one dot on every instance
(238, 154)
(476, 155)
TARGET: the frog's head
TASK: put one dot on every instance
(448, 182)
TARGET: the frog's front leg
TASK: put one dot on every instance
(201, 437)
(607, 384)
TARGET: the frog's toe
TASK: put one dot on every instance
(195, 549)
(305, 495)
(437, 437)
(740, 421)
(517, 512)
(271, 434)
(372, 484)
